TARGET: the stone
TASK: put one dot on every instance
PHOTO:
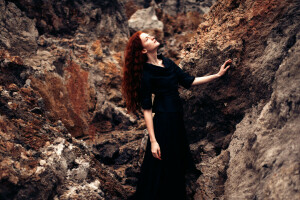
(144, 19)
(245, 123)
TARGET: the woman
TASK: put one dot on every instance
(167, 157)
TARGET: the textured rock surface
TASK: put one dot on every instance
(245, 126)
(60, 68)
(265, 147)
(174, 7)
(74, 54)
(18, 33)
(39, 159)
(144, 19)
(60, 75)
(120, 151)
(61, 65)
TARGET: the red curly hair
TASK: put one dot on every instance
(132, 72)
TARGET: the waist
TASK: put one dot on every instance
(167, 103)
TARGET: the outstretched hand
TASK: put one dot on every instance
(223, 69)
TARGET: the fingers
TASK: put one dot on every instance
(154, 155)
(227, 67)
(228, 62)
(159, 155)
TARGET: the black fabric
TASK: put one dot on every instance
(163, 82)
(165, 179)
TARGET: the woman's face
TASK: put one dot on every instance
(149, 43)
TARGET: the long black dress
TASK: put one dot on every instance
(165, 179)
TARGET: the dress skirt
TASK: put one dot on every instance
(165, 179)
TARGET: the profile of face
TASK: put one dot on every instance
(149, 43)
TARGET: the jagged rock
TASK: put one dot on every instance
(18, 33)
(250, 115)
(108, 153)
(122, 152)
(70, 75)
(61, 72)
(116, 114)
(102, 18)
(174, 7)
(72, 56)
(39, 159)
(266, 144)
(145, 19)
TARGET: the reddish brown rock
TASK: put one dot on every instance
(39, 159)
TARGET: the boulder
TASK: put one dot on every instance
(144, 19)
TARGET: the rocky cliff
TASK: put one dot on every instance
(244, 128)
(58, 59)
(60, 79)
(174, 7)
(39, 159)
(73, 50)
(60, 64)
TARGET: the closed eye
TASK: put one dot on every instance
(147, 37)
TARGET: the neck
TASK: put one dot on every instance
(152, 58)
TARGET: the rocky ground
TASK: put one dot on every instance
(64, 130)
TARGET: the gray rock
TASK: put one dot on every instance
(174, 7)
(265, 147)
(145, 19)
(115, 114)
(244, 127)
(18, 33)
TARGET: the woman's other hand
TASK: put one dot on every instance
(223, 69)
(155, 149)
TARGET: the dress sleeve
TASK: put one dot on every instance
(185, 79)
(145, 93)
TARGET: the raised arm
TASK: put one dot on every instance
(207, 79)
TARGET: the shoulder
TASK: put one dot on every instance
(168, 61)
(165, 59)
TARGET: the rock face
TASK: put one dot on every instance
(60, 64)
(61, 70)
(174, 7)
(145, 19)
(74, 53)
(39, 159)
(18, 32)
(58, 60)
(244, 128)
